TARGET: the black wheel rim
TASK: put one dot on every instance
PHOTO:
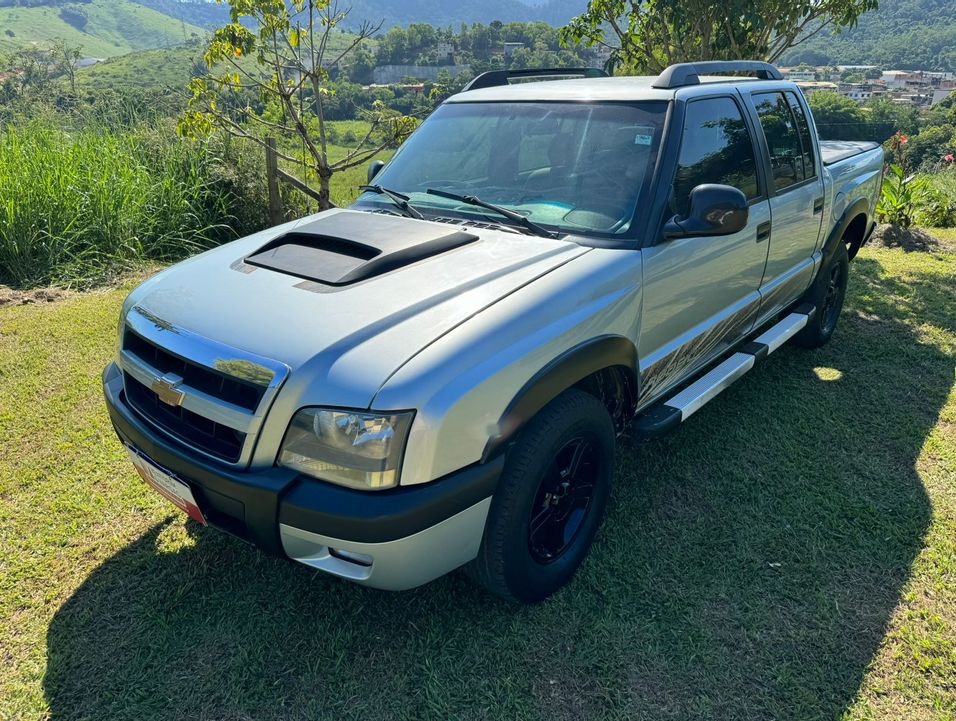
(831, 298)
(563, 500)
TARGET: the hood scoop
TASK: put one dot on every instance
(352, 246)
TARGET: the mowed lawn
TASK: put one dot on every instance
(790, 553)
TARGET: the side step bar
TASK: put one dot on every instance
(671, 413)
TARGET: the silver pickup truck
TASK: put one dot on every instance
(436, 377)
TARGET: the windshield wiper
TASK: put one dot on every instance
(510, 214)
(398, 198)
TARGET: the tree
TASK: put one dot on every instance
(286, 62)
(649, 35)
(66, 58)
(888, 117)
(837, 117)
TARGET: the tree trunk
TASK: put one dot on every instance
(325, 176)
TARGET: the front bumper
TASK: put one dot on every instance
(394, 539)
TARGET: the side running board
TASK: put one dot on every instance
(671, 413)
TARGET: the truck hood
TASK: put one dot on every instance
(345, 298)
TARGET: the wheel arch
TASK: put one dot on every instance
(851, 228)
(605, 367)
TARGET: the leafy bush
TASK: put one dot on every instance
(936, 208)
(900, 196)
(901, 191)
(76, 207)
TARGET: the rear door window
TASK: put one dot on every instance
(779, 127)
(716, 147)
(806, 140)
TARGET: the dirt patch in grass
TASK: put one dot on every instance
(16, 296)
(9, 296)
(908, 239)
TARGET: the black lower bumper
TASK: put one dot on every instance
(252, 504)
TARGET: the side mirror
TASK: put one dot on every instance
(373, 168)
(714, 210)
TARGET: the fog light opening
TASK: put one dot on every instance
(360, 559)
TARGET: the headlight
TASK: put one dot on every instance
(352, 448)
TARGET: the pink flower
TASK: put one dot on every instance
(948, 158)
(902, 138)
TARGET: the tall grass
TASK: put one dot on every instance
(77, 206)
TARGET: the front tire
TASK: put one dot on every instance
(550, 500)
(827, 295)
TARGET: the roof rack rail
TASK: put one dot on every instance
(683, 74)
(494, 78)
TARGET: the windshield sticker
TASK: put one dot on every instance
(645, 135)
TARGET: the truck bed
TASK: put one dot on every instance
(833, 151)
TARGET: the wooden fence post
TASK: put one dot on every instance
(272, 178)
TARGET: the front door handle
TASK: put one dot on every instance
(763, 231)
(818, 206)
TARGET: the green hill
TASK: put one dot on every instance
(440, 13)
(902, 34)
(103, 28)
(163, 68)
(145, 70)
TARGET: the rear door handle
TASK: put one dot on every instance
(763, 231)
(818, 206)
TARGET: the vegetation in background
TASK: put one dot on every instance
(291, 50)
(840, 118)
(649, 36)
(938, 209)
(77, 207)
(811, 580)
(111, 27)
(902, 34)
(901, 190)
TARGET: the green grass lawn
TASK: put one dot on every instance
(789, 553)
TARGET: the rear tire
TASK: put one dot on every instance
(827, 295)
(550, 500)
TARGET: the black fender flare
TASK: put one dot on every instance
(860, 207)
(563, 372)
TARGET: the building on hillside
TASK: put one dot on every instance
(940, 94)
(445, 51)
(599, 55)
(799, 76)
(900, 78)
(860, 92)
(809, 87)
(413, 88)
(394, 74)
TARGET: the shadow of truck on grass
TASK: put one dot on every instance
(747, 569)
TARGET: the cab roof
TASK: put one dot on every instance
(585, 89)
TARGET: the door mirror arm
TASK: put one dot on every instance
(373, 169)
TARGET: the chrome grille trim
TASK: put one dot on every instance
(198, 350)
(194, 400)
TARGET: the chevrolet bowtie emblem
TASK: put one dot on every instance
(167, 389)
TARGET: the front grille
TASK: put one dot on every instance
(195, 430)
(219, 385)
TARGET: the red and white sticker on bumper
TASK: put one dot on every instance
(170, 488)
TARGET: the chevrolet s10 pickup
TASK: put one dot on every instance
(436, 377)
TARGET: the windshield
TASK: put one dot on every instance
(571, 167)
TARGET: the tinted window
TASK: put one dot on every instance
(805, 140)
(715, 148)
(783, 140)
